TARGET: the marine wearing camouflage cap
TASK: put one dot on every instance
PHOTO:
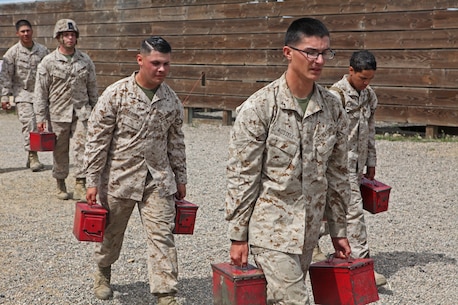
(65, 25)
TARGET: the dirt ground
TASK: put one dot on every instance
(414, 244)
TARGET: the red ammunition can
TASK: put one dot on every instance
(42, 141)
(375, 195)
(234, 285)
(185, 218)
(89, 223)
(343, 282)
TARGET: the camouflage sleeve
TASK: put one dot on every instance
(176, 147)
(338, 194)
(371, 152)
(41, 92)
(6, 75)
(244, 168)
(100, 128)
(92, 89)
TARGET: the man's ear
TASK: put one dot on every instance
(287, 52)
(140, 59)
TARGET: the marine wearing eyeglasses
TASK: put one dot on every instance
(287, 168)
(314, 54)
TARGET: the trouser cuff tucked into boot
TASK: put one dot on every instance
(102, 288)
(33, 163)
(317, 255)
(166, 299)
(62, 190)
(80, 189)
(380, 280)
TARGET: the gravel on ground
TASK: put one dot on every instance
(414, 243)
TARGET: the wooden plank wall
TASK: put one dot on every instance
(236, 46)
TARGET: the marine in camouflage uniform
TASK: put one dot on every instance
(18, 80)
(135, 154)
(287, 169)
(66, 89)
(360, 102)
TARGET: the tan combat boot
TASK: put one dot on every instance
(80, 189)
(102, 288)
(62, 190)
(33, 163)
(380, 280)
(317, 255)
(167, 299)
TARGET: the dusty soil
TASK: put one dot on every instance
(414, 244)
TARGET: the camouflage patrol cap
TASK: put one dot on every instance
(66, 25)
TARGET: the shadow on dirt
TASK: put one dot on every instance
(192, 289)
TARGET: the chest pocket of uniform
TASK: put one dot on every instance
(82, 73)
(324, 148)
(131, 121)
(59, 74)
(164, 118)
(23, 65)
(280, 152)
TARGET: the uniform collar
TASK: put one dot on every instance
(287, 101)
(139, 92)
(76, 55)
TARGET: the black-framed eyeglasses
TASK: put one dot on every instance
(314, 54)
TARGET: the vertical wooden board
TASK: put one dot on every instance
(431, 132)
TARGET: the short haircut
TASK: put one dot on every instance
(307, 27)
(363, 60)
(23, 22)
(155, 43)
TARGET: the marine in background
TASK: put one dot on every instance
(135, 157)
(17, 79)
(66, 90)
(360, 103)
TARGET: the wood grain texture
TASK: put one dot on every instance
(238, 45)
